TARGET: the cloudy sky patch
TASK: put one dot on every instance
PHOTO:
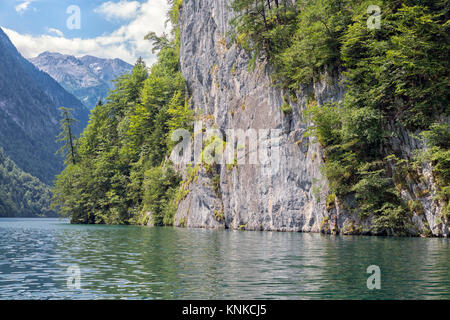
(109, 29)
(22, 7)
(56, 32)
(122, 10)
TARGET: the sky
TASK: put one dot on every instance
(105, 29)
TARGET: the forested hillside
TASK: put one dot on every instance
(21, 195)
(121, 170)
(29, 115)
(29, 124)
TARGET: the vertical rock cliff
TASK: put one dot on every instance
(227, 94)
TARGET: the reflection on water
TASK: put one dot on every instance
(169, 263)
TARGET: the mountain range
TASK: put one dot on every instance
(88, 78)
(29, 120)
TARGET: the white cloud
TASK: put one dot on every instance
(55, 31)
(126, 43)
(119, 10)
(21, 8)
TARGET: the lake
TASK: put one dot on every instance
(51, 259)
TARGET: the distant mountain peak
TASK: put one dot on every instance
(87, 77)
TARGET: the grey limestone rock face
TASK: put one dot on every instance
(229, 95)
(420, 188)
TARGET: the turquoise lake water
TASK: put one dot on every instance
(130, 262)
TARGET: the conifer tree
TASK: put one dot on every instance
(66, 136)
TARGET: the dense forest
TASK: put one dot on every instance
(395, 75)
(21, 194)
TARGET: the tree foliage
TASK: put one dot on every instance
(123, 173)
(21, 195)
(395, 76)
(66, 136)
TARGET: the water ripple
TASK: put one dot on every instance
(119, 262)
